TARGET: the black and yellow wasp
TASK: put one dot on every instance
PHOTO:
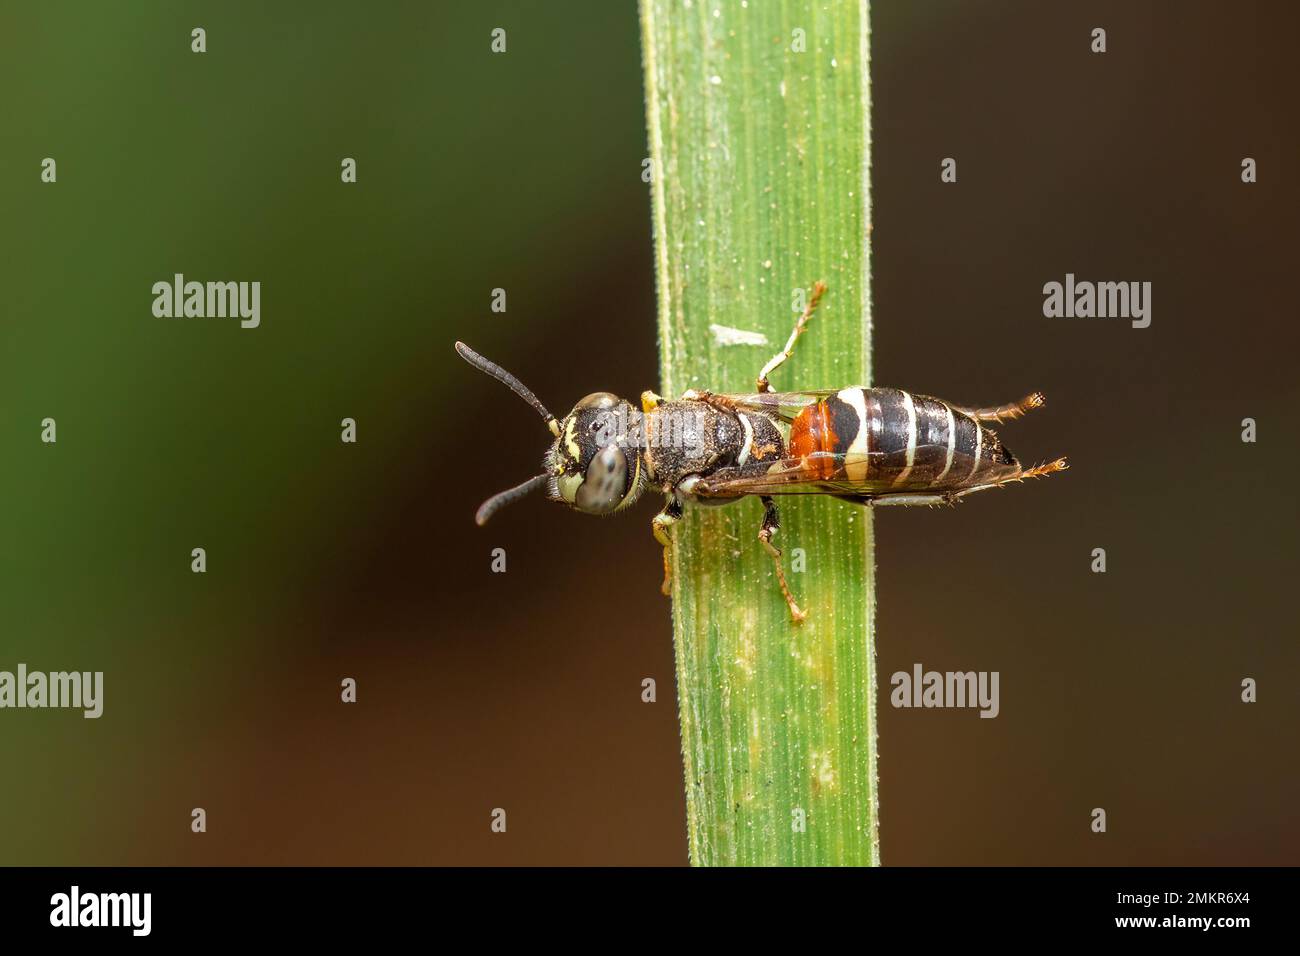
(871, 446)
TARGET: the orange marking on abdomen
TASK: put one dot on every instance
(811, 432)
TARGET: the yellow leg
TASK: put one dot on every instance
(1050, 468)
(1038, 471)
(1011, 410)
(662, 527)
(771, 522)
(762, 385)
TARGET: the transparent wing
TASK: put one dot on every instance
(782, 405)
(793, 476)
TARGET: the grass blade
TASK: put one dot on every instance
(759, 123)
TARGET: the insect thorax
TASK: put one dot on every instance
(694, 438)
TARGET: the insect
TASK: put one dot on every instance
(870, 446)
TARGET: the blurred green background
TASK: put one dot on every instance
(522, 171)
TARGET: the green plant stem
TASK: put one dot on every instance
(761, 159)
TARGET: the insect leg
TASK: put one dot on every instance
(720, 402)
(1000, 413)
(1050, 468)
(762, 385)
(1038, 471)
(772, 522)
(662, 525)
(906, 500)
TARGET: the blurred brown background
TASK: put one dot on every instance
(481, 690)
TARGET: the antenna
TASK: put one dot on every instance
(516, 386)
(499, 501)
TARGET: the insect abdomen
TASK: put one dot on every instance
(893, 439)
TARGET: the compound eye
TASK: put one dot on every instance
(606, 483)
(598, 400)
